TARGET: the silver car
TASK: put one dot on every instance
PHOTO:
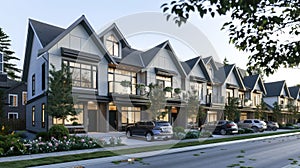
(255, 124)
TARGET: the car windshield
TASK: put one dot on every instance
(163, 124)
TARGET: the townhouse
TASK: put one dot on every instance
(110, 79)
(13, 96)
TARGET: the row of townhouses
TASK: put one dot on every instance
(100, 63)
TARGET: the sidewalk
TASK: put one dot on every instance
(135, 143)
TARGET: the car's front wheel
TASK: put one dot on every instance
(149, 137)
(128, 133)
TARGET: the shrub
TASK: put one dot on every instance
(249, 130)
(179, 132)
(289, 124)
(192, 135)
(43, 135)
(205, 134)
(58, 131)
(11, 145)
(241, 131)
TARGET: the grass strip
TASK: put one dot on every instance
(101, 154)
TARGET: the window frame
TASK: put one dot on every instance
(93, 73)
(33, 115)
(43, 115)
(13, 113)
(43, 76)
(114, 44)
(9, 97)
(24, 102)
(33, 84)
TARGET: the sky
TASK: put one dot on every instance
(141, 23)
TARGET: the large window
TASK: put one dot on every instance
(83, 75)
(13, 100)
(112, 45)
(164, 81)
(79, 116)
(130, 115)
(33, 84)
(198, 89)
(115, 78)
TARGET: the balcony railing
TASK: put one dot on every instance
(211, 99)
(116, 87)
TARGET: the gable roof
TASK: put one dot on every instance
(49, 39)
(295, 92)
(113, 27)
(148, 55)
(190, 64)
(251, 81)
(45, 32)
(275, 88)
(224, 72)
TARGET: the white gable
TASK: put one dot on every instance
(257, 86)
(163, 60)
(283, 92)
(197, 71)
(77, 39)
(232, 79)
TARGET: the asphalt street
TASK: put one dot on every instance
(272, 153)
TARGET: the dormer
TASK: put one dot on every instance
(112, 45)
(114, 41)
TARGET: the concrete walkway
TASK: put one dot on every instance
(133, 143)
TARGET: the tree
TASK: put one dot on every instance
(157, 99)
(259, 111)
(268, 29)
(60, 98)
(225, 61)
(232, 111)
(276, 111)
(294, 112)
(8, 56)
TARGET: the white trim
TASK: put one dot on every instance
(17, 115)
(14, 95)
(119, 44)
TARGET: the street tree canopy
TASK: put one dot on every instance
(10, 68)
(267, 29)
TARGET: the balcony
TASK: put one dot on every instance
(211, 99)
(116, 87)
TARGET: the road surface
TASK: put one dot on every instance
(270, 153)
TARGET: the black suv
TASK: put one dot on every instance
(151, 130)
(226, 127)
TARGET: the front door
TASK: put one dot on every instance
(92, 114)
(113, 121)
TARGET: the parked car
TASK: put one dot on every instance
(226, 127)
(255, 124)
(151, 130)
(271, 125)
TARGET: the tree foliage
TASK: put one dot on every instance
(276, 112)
(8, 55)
(158, 100)
(268, 29)
(232, 111)
(60, 98)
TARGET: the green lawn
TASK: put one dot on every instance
(101, 154)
